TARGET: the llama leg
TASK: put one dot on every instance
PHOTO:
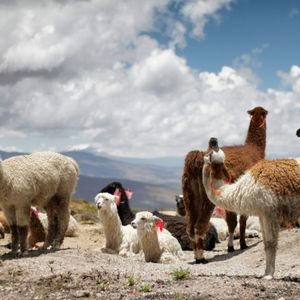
(201, 228)
(23, 216)
(270, 230)
(10, 214)
(231, 220)
(243, 222)
(63, 217)
(52, 225)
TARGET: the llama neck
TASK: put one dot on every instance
(150, 245)
(112, 227)
(240, 196)
(215, 191)
(257, 135)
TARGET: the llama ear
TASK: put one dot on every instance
(251, 112)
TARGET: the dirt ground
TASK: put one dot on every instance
(81, 270)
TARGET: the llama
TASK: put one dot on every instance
(239, 158)
(157, 243)
(180, 209)
(270, 190)
(175, 224)
(44, 179)
(119, 238)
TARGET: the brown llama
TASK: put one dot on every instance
(238, 159)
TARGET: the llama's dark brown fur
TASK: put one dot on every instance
(238, 159)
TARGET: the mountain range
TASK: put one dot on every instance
(154, 182)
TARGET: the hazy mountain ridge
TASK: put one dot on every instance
(154, 186)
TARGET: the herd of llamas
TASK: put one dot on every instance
(235, 178)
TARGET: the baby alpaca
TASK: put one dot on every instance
(270, 190)
(119, 239)
(157, 243)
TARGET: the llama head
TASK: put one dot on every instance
(146, 221)
(215, 162)
(258, 116)
(180, 205)
(106, 202)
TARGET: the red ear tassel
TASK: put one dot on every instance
(159, 225)
(34, 212)
(220, 211)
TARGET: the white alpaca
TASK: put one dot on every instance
(269, 190)
(119, 239)
(43, 179)
(158, 246)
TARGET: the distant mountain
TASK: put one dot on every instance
(99, 166)
(148, 196)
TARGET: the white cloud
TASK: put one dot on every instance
(88, 76)
(199, 12)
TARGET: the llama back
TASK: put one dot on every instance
(54, 172)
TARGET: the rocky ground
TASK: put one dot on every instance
(81, 270)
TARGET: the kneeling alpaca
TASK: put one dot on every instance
(119, 239)
(157, 243)
(269, 190)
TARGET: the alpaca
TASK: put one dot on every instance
(44, 179)
(119, 238)
(157, 243)
(175, 224)
(239, 158)
(124, 211)
(270, 190)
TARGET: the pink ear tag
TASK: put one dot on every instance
(128, 194)
(159, 224)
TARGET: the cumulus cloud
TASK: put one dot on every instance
(200, 12)
(79, 74)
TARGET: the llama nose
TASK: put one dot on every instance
(133, 224)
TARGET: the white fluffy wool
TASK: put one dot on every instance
(119, 239)
(158, 246)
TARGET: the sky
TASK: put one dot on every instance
(153, 78)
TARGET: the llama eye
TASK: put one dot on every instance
(143, 219)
